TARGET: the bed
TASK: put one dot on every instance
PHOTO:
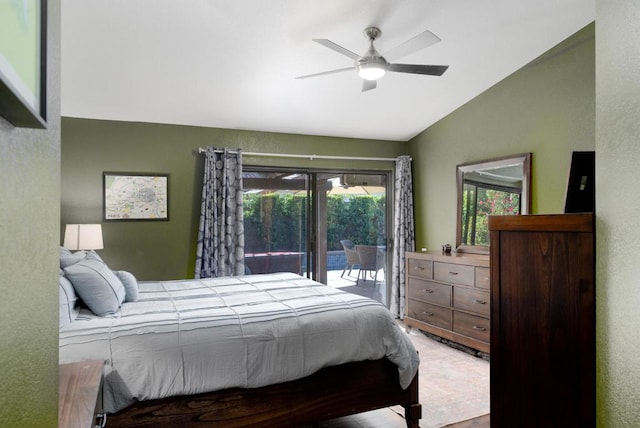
(267, 350)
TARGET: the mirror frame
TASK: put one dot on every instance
(525, 198)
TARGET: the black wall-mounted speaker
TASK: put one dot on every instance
(581, 185)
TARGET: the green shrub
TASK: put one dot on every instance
(277, 222)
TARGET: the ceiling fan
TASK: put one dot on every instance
(372, 66)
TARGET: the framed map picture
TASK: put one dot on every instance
(133, 196)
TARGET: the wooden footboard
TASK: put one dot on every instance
(330, 393)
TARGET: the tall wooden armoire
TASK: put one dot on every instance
(542, 321)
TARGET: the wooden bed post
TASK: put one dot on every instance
(413, 410)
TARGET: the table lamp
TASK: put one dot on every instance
(83, 237)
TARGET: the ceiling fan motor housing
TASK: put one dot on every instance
(372, 65)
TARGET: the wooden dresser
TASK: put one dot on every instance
(448, 295)
(542, 321)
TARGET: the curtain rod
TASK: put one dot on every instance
(310, 157)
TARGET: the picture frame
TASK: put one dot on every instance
(135, 196)
(23, 64)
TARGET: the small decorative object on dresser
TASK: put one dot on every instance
(448, 295)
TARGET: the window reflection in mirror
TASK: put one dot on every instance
(492, 187)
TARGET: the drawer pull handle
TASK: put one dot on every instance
(429, 314)
(428, 291)
(480, 302)
(419, 267)
(475, 327)
(453, 273)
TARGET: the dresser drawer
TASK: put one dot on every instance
(482, 277)
(471, 326)
(471, 300)
(431, 314)
(429, 291)
(420, 268)
(453, 273)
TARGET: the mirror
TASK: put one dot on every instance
(493, 187)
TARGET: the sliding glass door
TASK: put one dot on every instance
(327, 225)
(352, 244)
(277, 208)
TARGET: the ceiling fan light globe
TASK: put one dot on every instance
(371, 71)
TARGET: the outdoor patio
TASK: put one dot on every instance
(365, 288)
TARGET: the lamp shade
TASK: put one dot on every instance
(83, 237)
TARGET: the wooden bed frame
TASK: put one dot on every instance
(330, 393)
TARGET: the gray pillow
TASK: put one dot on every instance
(67, 258)
(98, 287)
(130, 285)
(68, 308)
(94, 255)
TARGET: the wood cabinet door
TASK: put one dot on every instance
(542, 327)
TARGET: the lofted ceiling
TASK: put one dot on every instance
(232, 63)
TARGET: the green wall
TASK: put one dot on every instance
(618, 208)
(29, 224)
(546, 108)
(166, 250)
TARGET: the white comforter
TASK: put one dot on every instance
(193, 336)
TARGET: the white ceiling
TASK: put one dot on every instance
(232, 63)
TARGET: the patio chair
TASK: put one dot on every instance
(352, 256)
(370, 261)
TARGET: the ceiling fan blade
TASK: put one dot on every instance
(368, 85)
(344, 51)
(412, 45)
(326, 72)
(432, 70)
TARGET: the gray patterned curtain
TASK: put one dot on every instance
(403, 234)
(220, 250)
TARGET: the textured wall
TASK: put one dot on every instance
(617, 212)
(166, 250)
(547, 108)
(29, 234)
